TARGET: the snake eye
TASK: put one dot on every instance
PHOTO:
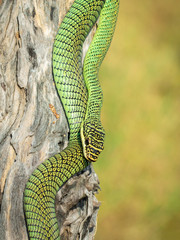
(87, 141)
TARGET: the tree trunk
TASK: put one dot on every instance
(33, 125)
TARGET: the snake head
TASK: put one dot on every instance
(92, 137)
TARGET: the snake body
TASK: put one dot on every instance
(82, 100)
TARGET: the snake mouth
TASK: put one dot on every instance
(91, 158)
(92, 155)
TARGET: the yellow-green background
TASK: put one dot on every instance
(139, 170)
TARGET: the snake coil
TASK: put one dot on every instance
(81, 96)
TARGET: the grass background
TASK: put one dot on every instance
(139, 169)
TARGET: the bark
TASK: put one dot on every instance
(33, 125)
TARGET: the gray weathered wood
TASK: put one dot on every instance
(30, 131)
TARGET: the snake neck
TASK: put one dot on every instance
(92, 131)
(95, 55)
(94, 105)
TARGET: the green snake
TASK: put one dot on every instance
(81, 96)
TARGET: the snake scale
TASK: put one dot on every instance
(81, 96)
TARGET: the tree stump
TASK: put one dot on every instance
(33, 125)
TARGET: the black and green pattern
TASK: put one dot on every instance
(46, 180)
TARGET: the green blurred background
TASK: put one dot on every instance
(139, 170)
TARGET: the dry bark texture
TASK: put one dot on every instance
(33, 125)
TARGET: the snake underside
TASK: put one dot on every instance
(81, 96)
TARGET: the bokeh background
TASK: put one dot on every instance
(139, 170)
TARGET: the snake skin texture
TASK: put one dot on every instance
(92, 131)
(46, 180)
(95, 56)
